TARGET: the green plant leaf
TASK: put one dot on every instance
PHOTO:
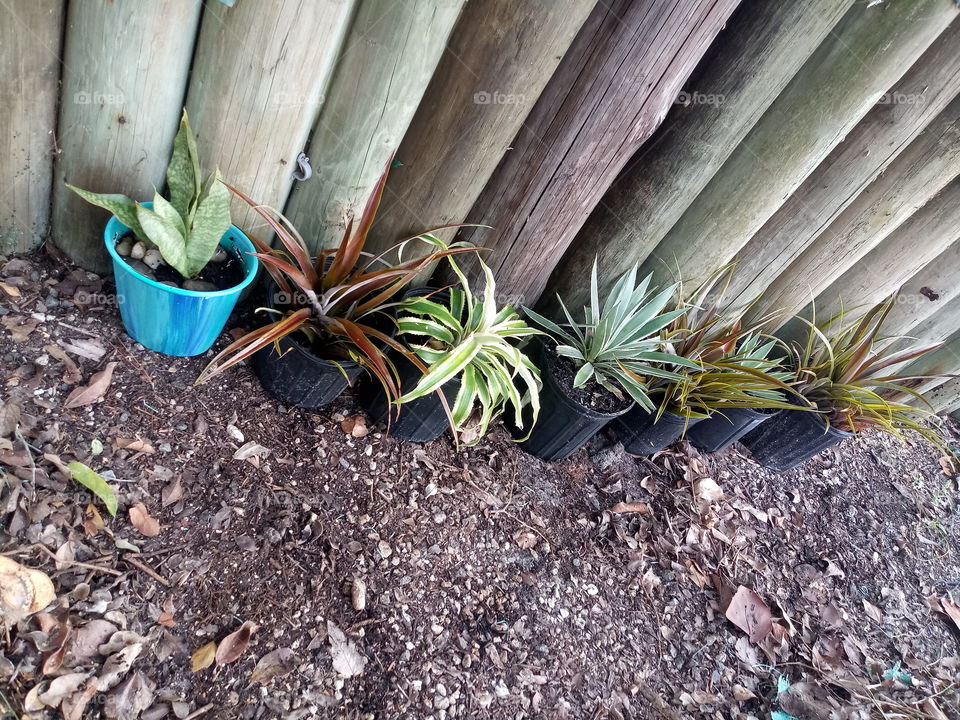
(121, 206)
(95, 484)
(166, 237)
(169, 213)
(183, 170)
(210, 222)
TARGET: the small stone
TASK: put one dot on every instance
(359, 594)
(199, 286)
(219, 255)
(124, 247)
(165, 447)
(153, 258)
(138, 250)
(439, 518)
(142, 269)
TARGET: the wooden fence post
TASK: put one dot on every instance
(259, 75)
(864, 56)
(763, 47)
(124, 75)
(498, 60)
(610, 92)
(902, 113)
(902, 254)
(926, 293)
(391, 51)
(29, 80)
(913, 179)
(944, 397)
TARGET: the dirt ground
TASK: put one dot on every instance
(389, 580)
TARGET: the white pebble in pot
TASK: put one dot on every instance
(123, 247)
(153, 258)
(138, 250)
(219, 255)
(199, 286)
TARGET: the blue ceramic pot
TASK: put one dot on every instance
(170, 320)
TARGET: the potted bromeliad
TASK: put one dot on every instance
(179, 264)
(727, 378)
(601, 366)
(333, 311)
(846, 373)
(463, 367)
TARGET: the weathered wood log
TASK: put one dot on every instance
(902, 254)
(498, 60)
(763, 47)
(944, 397)
(124, 75)
(30, 36)
(391, 51)
(260, 72)
(925, 167)
(926, 293)
(610, 92)
(893, 123)
(870, 49)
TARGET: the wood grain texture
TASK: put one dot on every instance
(945, 397)
(610, 92)
(917, 174)
(259, 76)
(124, 78)
(762, 48)
(924, 294)
(868, 51)
(498, 60)
(890, 126)
(904, 252)
(945, 360)
(30, 50)
(391, 52)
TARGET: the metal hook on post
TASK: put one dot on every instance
(303, 171)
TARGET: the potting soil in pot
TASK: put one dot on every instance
(592, 394)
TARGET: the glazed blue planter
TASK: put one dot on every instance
(171, 320)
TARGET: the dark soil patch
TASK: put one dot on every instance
(497, 585)
(591, 394)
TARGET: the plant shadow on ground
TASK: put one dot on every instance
(495, 585)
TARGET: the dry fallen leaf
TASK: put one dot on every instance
(166, 614)
(134, 445)
(235, 644)
(92, 521)
(525, 539)
(951, 609)
(355, 425)
(96, 389)
(874, 612)
(948, 466)
(10, 412)
(631, 507)
(23, 591)
(141, 519)
(272, 665)
(71, 373)
(19, 326)
(750, 613)
(118, 665)
(61, 687)
(130, 698)
(347, 660)
(171, 492)
(11, 290)
(203, 657)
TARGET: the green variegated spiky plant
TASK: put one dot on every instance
(187, 228)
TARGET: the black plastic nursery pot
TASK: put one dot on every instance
(420, 420)
(790, 438)
(564, 425)
(722, 429)
(642, 433)
(300, 378)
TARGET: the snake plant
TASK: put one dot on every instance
(187, 228)
(618, 344)
(471, 339)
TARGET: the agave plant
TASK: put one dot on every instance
(847, 371)
(471, 339)
(339, 298)
(187, 228)
(618, 344)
